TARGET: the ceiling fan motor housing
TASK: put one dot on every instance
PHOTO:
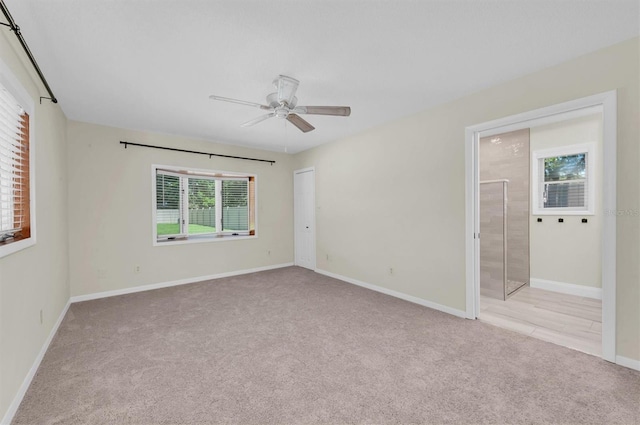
(272, 101)
(281, 108)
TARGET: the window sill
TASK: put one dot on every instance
(202, 239)
(561, 213)
(13, 247)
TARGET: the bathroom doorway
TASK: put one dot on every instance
(540, 268)
(507, 278)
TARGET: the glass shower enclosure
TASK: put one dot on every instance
(504, 213)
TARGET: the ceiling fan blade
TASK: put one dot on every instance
(257, 120)
(297, 120)
(241, 102)
(343, 111)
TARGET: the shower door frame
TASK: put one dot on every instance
(606, 103)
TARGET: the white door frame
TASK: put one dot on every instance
(607, 103)
(313, 213)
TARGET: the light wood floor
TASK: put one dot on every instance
(568, 320)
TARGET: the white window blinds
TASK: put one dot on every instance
(565, 181)
(168, 207)
(203, 204)
(14, 169)
(235, 205)
(562, 180)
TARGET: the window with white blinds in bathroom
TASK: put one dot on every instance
(563, 180)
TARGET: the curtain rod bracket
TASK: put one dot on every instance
(48, 98)
(16, 30)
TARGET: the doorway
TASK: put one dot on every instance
(605, 104)
(540, 259)
(304, 201)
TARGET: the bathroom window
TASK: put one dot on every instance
(563, 180)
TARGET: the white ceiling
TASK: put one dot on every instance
(151, 65)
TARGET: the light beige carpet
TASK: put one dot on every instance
(292, 346)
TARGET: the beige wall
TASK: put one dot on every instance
(110, 211)
(569, 252)
(35, 278)
(417, 164)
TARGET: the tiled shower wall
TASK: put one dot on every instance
(505, 156)
(492, 216)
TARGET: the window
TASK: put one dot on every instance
(563, 180)
(200, 205)
(15, 167)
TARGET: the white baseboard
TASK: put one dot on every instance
(402, 296)
(567, 288)
(116, 292)
(627, 362)
(13, 407)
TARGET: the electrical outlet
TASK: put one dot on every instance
(390, 270)
(269, 252)
(41, 317)
(136, 268)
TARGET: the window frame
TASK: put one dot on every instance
(537, 186)
(13, 85)
(205, 237)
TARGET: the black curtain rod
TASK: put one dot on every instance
(196, 152)
(16, 29)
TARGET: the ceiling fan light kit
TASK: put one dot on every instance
(287, 88)
(284, 104)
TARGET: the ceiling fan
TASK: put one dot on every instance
(284, 104)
